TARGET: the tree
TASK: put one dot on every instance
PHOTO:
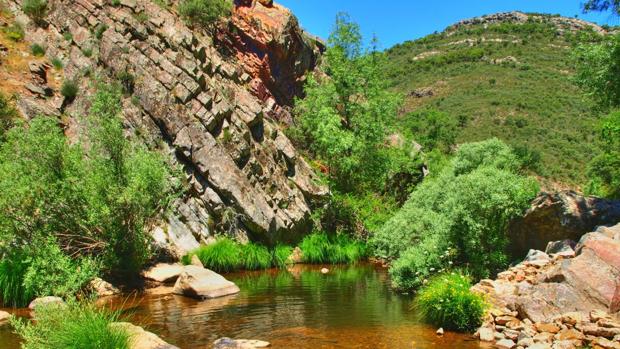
(345, 114)
(598, 70)
(602, 5)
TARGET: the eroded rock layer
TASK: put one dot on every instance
(214, 109)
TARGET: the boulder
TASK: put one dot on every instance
(505, 344)
(141, 339)
(103, 288)
(163, 273)
(560, 216)
(46, 301)
(564, 248)
(196, 261)
(203, 283)
(296, 257)
(535, 255)
(227, 343)
(4, 317)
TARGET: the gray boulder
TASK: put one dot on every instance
(203, 283)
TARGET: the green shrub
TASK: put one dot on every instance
(315, 248)
(127, 81)
(447, 302)
(13, 268)
(52, 273)
(223, 256)
(57, 63)
(87, 51)
(35, 9)
(76, 326)
(7, 115)
(467, 208)
(204, 12)
(281, 253)
(15, 32)
(37, 50)
(69, 89)
(95, 200)
(99, 30)
(115, 3)
(255, 257)
(67, 36)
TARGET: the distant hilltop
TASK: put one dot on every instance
(563, 23)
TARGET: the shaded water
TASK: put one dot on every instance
(350, 307)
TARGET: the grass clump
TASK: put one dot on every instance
(281, 253)
(256, 257)
(75, 326)
(15, 32)
(13, 268)
(318, 248)
(69, 89)
(204, 13)
(7, 115)
(37, 50)
(223, 256)
(447, 302)
(35, 9)
(57, 63)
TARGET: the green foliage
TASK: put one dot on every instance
(531, 103)
(37, 50)
(67, 36)
(76, 326)
(223, 256)
(447, 302)
(318, 248)
(69, 89)
(57, 63)
(115, 3)
(127, 81)
(15, 32)
(35, 9)
(87, 51)
(99, 30)
(602, 5)
(13, 268)
(458, 217)
(598, 70)
(604, 170)
(344, 117)
(256, 257)
(204, 13)
(7, 115)
(433, 129)
(52, 273)
(94, 200)
(281, 253)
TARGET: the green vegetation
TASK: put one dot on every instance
(65, 205)
(256, 257)
(99, 30)
(225, 255)
(446, 301)
(598, 73)
(13, 268)
(529, 102)
(15, 32)
(281, 253)
(69, 89)
(459, 217)
(602, 5)
(318, 248)
(8, 114)
(57, 63)
(37, 50)
(35, 9)
(76, 326)
(204, 13)
(127, 81)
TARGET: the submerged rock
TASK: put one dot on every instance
(141, 339)
(203, 283)
(4, 317)
(227, 343)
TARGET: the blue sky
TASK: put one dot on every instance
(396, 21)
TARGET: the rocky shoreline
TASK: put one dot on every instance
(565, 298)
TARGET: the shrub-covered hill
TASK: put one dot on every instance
(507, 76)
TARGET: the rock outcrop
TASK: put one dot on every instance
(563, 300)
(560, 216)
(562, 23)
(213, 101)
(203, 283)
(141, 339)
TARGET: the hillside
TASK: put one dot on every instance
(509, 76)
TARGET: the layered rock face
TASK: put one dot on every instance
(560, 216)
(215, 107)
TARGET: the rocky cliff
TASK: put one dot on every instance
(213, 99)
